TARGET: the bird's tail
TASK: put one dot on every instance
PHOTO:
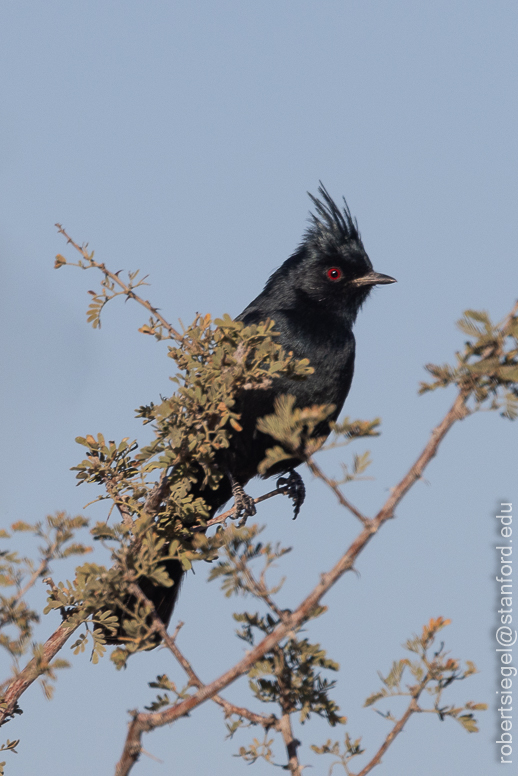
(164, 598)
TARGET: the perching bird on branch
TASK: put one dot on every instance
(313, 299)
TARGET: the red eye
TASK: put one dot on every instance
(334, 273)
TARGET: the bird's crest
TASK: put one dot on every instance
(329, 225)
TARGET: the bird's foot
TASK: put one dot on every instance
(244, 505)
(295, 490)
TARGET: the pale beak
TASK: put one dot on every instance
(373, 279)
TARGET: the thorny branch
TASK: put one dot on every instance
(317, 471)
(413, 707)
(133, 747)
(458, 411)
(144, 722)
(231, 513)
(290, 742)
(37, 572)
(126, 289)
(267, 721)
(23, 680)
(398, 727)
(32, 671)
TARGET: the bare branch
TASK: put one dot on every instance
(37, 572)
(126, 289)
(133, 746)
(157, 495)
(396, 730)
(145, 722)
(170, 642)
(32, 671)
(291, 745)
(231, 513)
(317, 471)
(458, 411)
(124, 511)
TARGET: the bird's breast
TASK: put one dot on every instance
(330, 346)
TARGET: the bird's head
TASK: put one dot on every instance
(331, 266)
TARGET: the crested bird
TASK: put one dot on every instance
(313, 299)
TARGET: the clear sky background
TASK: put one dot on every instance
(181, 138)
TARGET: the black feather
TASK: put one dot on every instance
(314, 314)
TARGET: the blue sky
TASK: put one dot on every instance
(181, 138)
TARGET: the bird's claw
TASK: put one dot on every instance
(244, 505)
(295, 489)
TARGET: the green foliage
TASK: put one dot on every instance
(296, 684)
(19, 574)
(347, 430)
(216, 363)
(109, 290)
(9, 746)
(161, 518)
(344, 754)
(240, 550)
(434, 674)
(487, 368)
(110, 286)
(163, 682)
(360, 464)
(257, 750)
(290, 674)
(431, 674)
(106, 462)
(293, 428)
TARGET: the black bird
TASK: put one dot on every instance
(313, 298)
